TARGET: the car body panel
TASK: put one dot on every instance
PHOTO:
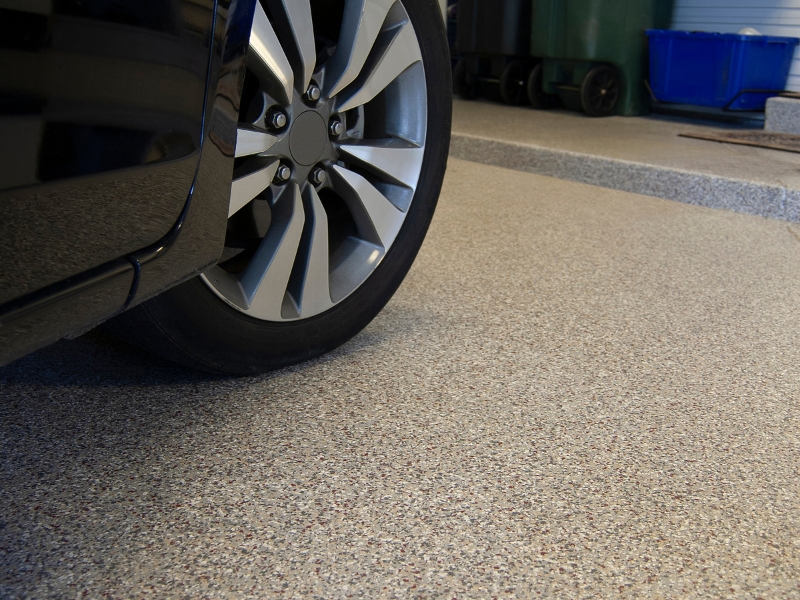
(191, 233)
(101, 107)
(197, 239)
(70, 307)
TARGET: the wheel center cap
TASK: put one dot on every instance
(307, 138)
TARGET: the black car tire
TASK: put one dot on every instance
(191, 325)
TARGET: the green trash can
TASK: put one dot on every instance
(594, 53)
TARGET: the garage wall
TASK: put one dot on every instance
(770, 17)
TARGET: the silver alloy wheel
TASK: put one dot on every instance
(321, 208)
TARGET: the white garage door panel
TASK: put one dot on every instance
(771, 17)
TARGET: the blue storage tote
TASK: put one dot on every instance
(711, 69)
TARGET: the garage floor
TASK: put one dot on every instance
(577, 392)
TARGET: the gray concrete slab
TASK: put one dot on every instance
(642, 155)
(577, 392)
(783, 115)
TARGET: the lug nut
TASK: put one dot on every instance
(277, 120)
(336, 128)
(318, 176)
(282, 174)
(313, 93)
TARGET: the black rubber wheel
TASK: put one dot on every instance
(512, 82)
(192, 325)
(600, 91)
(463, 84)
(536, 95)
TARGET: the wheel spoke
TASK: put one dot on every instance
(247, 187)
(352, 263)
(361, 24)
(315, 295)
(294, 17)
(398, 54)
(398, 160)
(252, 141)
(265, 279)
(268, 60)
(377, 219)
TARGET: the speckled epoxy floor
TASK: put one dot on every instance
(577, 392)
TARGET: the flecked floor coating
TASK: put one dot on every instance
(577, 392)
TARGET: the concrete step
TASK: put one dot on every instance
(783, 115)
(639, 155)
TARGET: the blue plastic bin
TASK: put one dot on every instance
(713, 69)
